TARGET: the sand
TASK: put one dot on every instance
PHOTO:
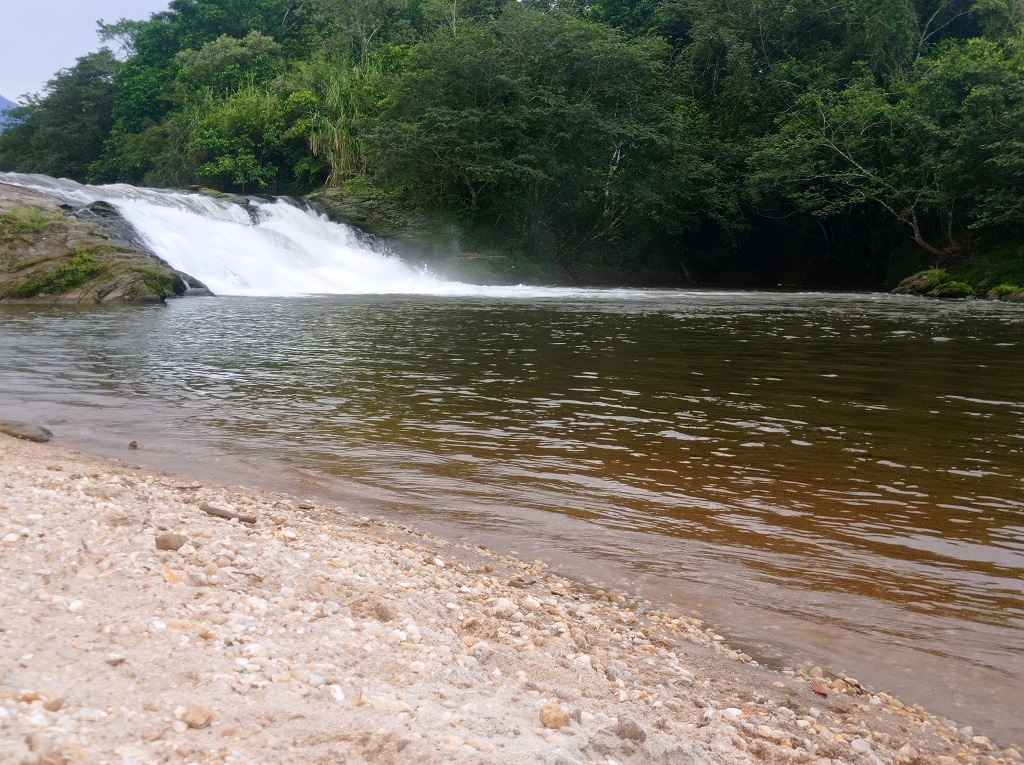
(300, 633)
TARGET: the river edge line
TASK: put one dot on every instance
(140, 625)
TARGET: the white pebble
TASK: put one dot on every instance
(861, 745)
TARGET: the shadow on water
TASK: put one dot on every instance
(835, 478)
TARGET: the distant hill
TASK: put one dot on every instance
(5, 104)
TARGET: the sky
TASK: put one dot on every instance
(40, 37)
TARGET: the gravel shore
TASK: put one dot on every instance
(152, 618)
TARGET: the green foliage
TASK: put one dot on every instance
(932, 277)
(993, 266)
(81, 267)
(138, 149)
(352, 30)
(233, 141)
(332, 104)
(952, 289)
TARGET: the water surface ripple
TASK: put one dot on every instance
(832, 477)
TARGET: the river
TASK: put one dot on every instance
(830, 478)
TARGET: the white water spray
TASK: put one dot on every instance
(281, 250)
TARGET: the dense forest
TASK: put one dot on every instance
(836, 142)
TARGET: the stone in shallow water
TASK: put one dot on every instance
(25, 431)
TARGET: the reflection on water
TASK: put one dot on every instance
(833, 477)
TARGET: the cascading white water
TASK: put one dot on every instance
(286, 250)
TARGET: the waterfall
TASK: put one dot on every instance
(264, 247)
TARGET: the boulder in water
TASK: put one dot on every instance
(25, 431)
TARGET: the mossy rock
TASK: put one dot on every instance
(206, 191)
(923, 282)
(935, 282)
(1004, 292)
(952, 289)
(48, 256)
(22, 220)
(362, 204)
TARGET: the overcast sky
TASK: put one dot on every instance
(39, 37)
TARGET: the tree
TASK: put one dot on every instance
(236, 142)
(937, 151)
(228, 63)
(552, 128)
(61, 131)
(145, 85)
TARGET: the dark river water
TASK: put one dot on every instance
(830, 478)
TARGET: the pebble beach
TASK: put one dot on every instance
(156, 618)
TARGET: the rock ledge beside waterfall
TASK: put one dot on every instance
(48, 255)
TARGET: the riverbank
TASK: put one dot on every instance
(141, 626)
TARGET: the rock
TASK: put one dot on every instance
(385, 704)
(57, 254)
(53, 705)
(26, 431)
(952, 289)
(252, 650)
(629, 729)
(922, 282)
(817, 673)
(197, 716)
(504, 607)
(42, 744)
(554, 717)
(115, 659)
(860, 745)
(172, 542)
